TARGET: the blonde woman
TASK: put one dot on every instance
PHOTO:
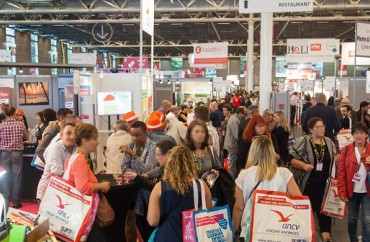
(173, 195)
(261, 173)
(281, 133)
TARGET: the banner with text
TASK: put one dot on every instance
(134, 63)
(363, 39)
(348, 55)
(211, 53)
(276, 6)
(312, 50)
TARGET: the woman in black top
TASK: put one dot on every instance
(183, 116)
(281, 133)
(256, 126)
(314, 156)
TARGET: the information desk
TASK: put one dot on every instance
(122, 198)
(30, 175)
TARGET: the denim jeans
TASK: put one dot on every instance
(232, 157)
(12, 163)
(354, 203)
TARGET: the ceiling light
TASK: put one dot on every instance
(156, 76)
(21, 70)
(297, 22)
(174, 24)
(161, 76)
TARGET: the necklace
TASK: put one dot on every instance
(199, 161)
(318, 156)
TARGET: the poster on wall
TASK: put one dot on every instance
(4, 95)
(33, 93)
(68, 96)
(113, 103)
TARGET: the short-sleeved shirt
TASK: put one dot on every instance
(247, 180)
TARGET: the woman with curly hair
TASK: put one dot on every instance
(173, 195)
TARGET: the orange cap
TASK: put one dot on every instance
(155, 120)
(130, 116)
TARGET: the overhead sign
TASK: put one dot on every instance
(83, 58)
(211, 53)
(134, 63)
(147, 16)
(102, 32)
(214, 66)
(348, 55)
(275, 6)
(312, 50)
(363, 39)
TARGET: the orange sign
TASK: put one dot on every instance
(315, 47)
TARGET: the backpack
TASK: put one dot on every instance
(4, 222)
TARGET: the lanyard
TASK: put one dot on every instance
(358, 156)
(319, 157)
(199, 161)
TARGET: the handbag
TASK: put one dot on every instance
(70, 213)
(224, 186)
(105, 213)
(276, 216)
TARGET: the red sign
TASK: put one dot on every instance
(315, 47)
(4, 95)
(199, 72)
(134, 63)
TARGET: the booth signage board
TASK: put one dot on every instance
(363, 39)
(134, 63)
(76, 82)
(4, 95)
(214, 66)
(348, 55)
(83, 58)
(5, 56)
(275, 6)
(312, 50)
(368, 82)
(211, 53)
(147, 16)
(68, 97)
(7, 82)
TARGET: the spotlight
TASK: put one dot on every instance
(160, 81)
(21, 70)
(161, 76)
(156, 76)
(210, 81)
(177, 81)
(168, 81)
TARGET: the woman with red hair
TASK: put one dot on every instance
(257, 126)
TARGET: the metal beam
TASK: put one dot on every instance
(43, 65)
(182, 20)
(174, 45)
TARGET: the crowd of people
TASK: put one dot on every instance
(177, 144)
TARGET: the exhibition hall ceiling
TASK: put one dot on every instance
(178, 23)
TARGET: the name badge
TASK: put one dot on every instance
(357, 178)
(319, 166)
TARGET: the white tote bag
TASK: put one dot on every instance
(344, 138)
(67, 209)
(279, 217)
(213, 224)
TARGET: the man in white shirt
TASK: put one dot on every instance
(56, 155)
(175, 128)
(119, 138)
(293, 107)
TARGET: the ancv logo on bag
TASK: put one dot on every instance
(285, 220)
(62, 206)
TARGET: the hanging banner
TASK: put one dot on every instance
(363, 39)
(348, 55)
(197, 73)
(312, 50)
(275, 6)
(147, 16)
(4, 95)
(211, 53)
(83, 58)
(176, 64)
(134, 63)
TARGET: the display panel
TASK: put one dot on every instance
(112, 103)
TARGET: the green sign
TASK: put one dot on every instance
(176, 64)
(243, 63)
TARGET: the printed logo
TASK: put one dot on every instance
(347, 137)
(61, 205)
(315, 47)
(198, 49)
(335, 193)
(283, 219)
(223, 223)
